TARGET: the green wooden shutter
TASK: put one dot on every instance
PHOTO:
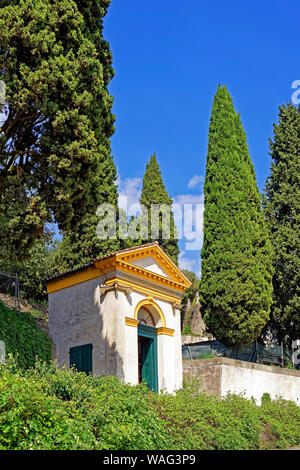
(81, 358)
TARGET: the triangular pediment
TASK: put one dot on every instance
(149, 263)
(152, 258)
(145, 262)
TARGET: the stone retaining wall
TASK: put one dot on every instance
(221, 375)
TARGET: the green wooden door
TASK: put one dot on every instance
(148, 359)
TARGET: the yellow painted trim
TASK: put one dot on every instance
(73, 279)
(162, 330)
(119, 261)
(165, 331)
(144, 290)
(131, 322)
(148, 302)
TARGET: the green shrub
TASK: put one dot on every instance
(31, 419)
(49, 408)
(46, 408)
(23, 337)
(199, 421)
(281, 421)
(265, 398)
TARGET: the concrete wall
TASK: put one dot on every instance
(220, 376)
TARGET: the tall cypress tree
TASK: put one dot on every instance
(55, 162)
(236, 272)
(155, 193)
(81, 245)
(282, 208)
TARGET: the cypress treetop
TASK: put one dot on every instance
(235, 285)
(154, 192)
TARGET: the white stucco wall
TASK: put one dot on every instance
(78, 316)
(254, 382)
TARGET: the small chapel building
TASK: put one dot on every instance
(120, 315)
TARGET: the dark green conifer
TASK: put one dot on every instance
(236, 271)
(55, 160)
(154, 194)
(82, 244)
(282, 209)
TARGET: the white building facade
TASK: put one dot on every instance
(120, 315)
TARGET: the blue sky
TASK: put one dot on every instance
(169, 57)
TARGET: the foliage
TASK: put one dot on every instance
(188, 296)
(282, 209)
(187, 328)
(57, 409)
(265, 398)
(31, 419)
(55, 161)
(80, 247)
(236, 270)
(281, 424)
(199, 421)
(154, 193)
(23, 337)
(34, 271)
(190, 293)
(46, 408)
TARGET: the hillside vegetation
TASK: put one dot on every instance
(49, 408)
(23, 336)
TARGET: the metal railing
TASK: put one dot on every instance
(9, 284)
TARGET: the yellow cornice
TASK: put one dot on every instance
(131, 322)
(144, 290)
(150, 275)
(76, 278)
(165, 331)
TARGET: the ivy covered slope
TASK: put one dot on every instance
(54, 409)
(23, 337)
(236, 269)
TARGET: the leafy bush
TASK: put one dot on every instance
(265, 398)
(32, 419)
(281, 423)
(34, 271)
(48, 408)
(23, 337)
(199, 421)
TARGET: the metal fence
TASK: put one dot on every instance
(9, 285)
(254, 352)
